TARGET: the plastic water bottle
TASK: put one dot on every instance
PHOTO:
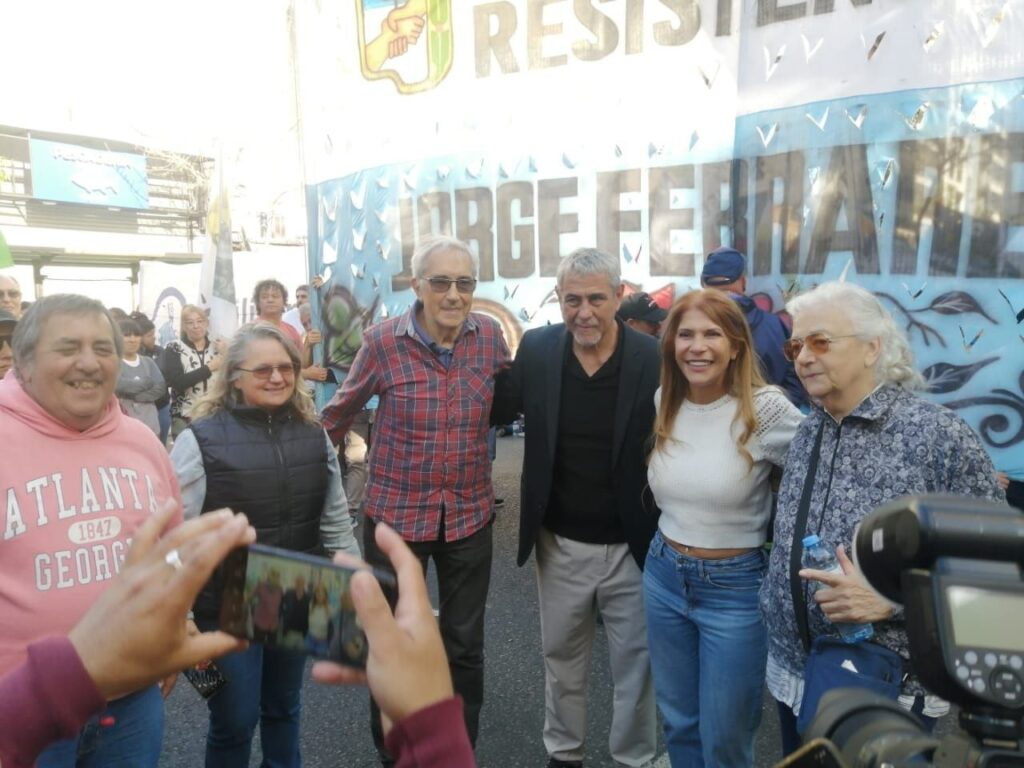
(821, 558)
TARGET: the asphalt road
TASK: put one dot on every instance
(334, 720)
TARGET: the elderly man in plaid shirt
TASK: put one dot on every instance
(430, 476)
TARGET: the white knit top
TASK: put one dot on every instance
(709, 496)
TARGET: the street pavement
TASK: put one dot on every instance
(335, 728)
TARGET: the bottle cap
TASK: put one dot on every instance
(810, 541)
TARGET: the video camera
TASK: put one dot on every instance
(955, 565)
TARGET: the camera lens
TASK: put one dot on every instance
(870, 730)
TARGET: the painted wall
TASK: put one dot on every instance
(881, 142)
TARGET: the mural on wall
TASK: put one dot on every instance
(881, 143)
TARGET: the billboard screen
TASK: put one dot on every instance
(70, 173)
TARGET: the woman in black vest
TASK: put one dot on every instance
(255, 446)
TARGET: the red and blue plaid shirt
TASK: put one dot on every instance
(430, 434)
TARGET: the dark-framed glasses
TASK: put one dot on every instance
(818, 343)
(10, 294)
(264, 372)
(444, 284)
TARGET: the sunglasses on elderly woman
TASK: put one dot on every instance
(818, 343)
(264, 372)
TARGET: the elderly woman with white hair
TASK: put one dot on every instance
(868, 440)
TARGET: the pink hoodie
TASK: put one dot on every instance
(69, 504)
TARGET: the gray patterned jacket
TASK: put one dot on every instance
(893, 444)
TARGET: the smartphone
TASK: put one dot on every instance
(294, 601)
(206, 678)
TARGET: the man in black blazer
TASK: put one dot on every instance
(586, 389)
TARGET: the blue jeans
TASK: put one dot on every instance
(129, 732)
(264, 687)
(708, 650)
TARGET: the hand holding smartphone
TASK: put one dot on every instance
(407, 669)
(295, 601)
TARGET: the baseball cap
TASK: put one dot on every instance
(7, 323)
(640, 306)
(723, 266)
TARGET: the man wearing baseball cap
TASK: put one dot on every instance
(725, 270)
(642, 313)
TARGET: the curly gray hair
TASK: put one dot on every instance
(895, 364)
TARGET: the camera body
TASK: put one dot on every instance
(955, 565)
(966, 633)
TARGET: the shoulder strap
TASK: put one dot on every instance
(796, 585)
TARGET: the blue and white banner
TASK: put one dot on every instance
(879, 141)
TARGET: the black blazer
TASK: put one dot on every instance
(533, 386)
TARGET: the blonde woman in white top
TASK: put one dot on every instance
(718, 431)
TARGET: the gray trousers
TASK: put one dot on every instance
(575, 580)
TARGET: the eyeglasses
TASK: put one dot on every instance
(444, 284)
(264, 372)
(819, 344)
(10, 294)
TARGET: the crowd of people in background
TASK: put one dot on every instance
(674, 460)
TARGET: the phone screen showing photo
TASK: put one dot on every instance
(292, 601)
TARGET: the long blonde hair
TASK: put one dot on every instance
(742, 377)
(222, 395)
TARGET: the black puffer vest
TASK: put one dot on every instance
(272, 467)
